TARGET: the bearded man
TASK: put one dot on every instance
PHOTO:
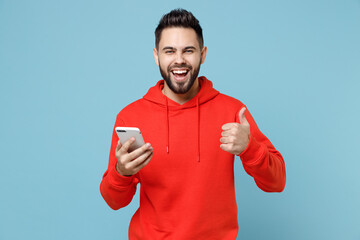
(192, 134)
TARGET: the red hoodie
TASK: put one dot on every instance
(187, 189)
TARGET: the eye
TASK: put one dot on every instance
(189, 51)
(169, 51)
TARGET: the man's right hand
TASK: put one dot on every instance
(130, 163)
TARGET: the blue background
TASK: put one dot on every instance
(68, 67)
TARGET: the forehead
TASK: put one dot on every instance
(178, 37)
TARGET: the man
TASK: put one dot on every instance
(193, 132)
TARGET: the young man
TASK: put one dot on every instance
(186, 169)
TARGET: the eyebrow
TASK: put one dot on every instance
(168, 48)
(190, 47)
(172, 48)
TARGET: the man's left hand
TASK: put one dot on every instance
(236, 136)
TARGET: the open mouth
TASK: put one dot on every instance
(180, 74)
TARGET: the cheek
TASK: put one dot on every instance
(163, 66)
(194, 61)
(164, 62)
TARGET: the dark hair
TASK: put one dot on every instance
(179, 18)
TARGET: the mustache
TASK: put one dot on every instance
(180, 66)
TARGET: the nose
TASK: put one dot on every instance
(179, 58)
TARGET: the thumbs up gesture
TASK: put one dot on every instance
(235, 136)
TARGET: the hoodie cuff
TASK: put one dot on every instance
(252, 153)
(121, 181)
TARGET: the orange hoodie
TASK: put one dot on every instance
(187, 189)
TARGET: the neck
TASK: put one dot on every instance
(182, 98)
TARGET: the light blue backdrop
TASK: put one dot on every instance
(68, 67)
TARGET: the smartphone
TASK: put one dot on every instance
(125, 133)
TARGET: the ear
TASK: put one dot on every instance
(156, 56)
(203, 54)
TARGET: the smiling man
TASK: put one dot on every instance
(179, 55)
(193, 133)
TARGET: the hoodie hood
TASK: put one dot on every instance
(206, 93)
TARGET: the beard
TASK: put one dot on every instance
(182, 87)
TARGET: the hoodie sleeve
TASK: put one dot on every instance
(262, 161)
(117, 190)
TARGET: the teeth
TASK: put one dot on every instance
(179, 71)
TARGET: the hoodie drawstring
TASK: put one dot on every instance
(167, 126)
(197, 126)
(198, 129)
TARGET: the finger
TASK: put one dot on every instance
(229, 139)
(142, 165)
(138, 162)
(242, 117)
(228, 126)
(232, 131)
(127, 144)
(118, 146)
(138, 152)
(226, 133)
(225, 147)
(224, 140)
(147, 160)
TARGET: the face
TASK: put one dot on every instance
(179, 58)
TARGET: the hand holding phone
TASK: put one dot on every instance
(131, 152)
(125, 133)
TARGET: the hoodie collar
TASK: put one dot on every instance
(206, 93)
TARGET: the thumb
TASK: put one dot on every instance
(242, 117)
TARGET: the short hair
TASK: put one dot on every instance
(179, 18)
